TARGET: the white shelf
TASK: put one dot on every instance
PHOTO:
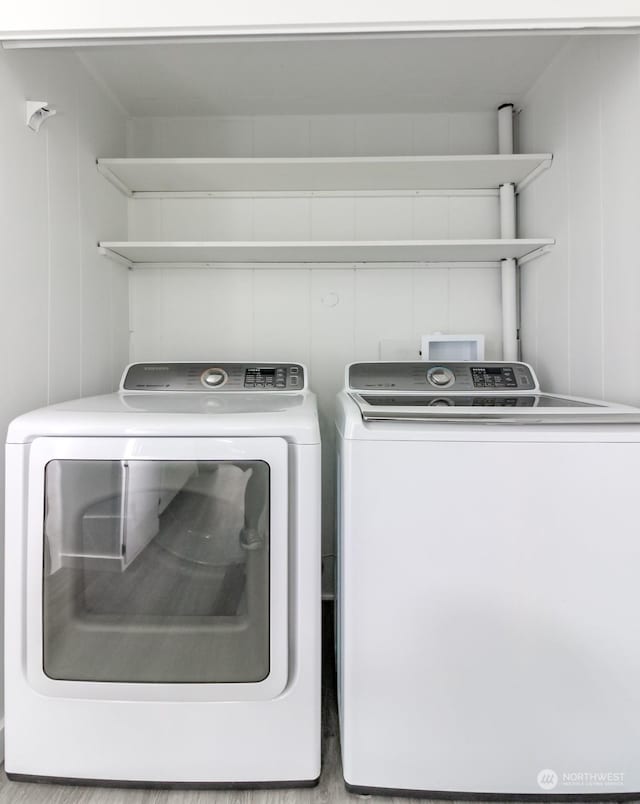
(324, 252)
(322, 174)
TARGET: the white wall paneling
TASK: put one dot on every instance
(196, 219)
(620, 211)
(192, 315)
(333, 217)
(319, 135)
(64, 322)
(332, 344)
(584, 180)
(473, 297)
(281, 219)
(104, 301)
(580, 326)
(552, 282)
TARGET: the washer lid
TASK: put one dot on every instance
(470, 391)
(495, 407)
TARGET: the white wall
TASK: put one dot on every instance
(580, 319)
(64, 322)
(322, 317)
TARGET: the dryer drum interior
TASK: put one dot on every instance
(156, 571)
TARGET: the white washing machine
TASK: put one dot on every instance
(488, 633)
(163, 581)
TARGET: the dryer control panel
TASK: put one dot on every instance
(468, 376)
(202, 377)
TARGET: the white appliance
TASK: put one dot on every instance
(163, 581)
(488, 595)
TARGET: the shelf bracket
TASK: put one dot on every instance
(533, 255)
(111, 255)
(534, 174)
(110, 176)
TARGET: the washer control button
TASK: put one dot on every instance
(213, 377)
(440, 376)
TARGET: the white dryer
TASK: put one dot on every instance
(488, 626)
(163, 581)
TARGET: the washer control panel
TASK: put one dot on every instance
(494, 377)
(431, 377)
(214, 377)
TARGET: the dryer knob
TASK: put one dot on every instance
(213, 377)
(440, 376)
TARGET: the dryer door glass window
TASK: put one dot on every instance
(156, 571)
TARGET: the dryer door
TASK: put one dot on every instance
(157, 562)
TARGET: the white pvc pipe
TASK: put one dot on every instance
(508, 211)
(508, 275)
(505, 128)
(509, 310)
(508, 230)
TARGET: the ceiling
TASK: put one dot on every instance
(322, 76)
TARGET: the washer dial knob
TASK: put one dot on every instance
(213, 377)
(440, 376)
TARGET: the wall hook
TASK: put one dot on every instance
(37, 112)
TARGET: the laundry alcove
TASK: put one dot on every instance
(320, 200)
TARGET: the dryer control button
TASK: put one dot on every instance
(213, 377)
(440, 376)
